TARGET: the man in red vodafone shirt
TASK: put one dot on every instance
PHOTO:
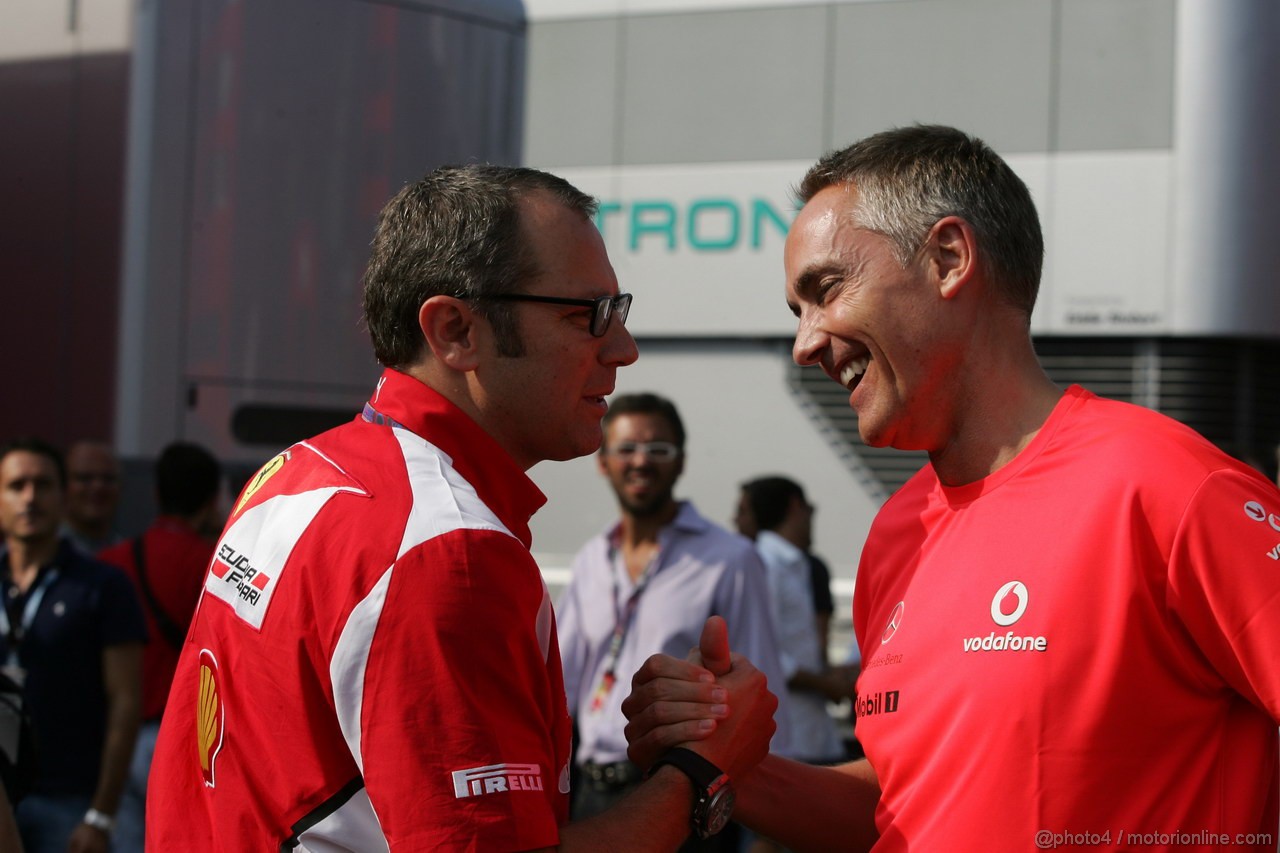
(374, 663)
(167, 566)
(1069, 619)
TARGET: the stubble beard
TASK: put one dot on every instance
(646, 508)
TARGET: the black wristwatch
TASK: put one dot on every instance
(712, 793)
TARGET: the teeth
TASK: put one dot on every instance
(854, 369)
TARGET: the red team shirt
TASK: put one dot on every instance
(176, 559)
(1085, 643)
(373, 664)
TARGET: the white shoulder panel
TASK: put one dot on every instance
(443, 501)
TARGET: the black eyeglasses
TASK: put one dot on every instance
(603, 308)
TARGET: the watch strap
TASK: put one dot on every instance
(712, 792)
(99, 820)
(701, 771)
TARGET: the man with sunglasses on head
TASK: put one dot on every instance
(374, 663)
(647, 585)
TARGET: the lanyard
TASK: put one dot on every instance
(373, 416)
(620, 626)
(15, 633)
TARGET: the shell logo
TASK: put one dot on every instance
(209, 716)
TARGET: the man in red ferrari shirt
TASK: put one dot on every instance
(1069, 619)
(374, 663)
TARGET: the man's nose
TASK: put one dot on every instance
(810, 340)
(619, 347)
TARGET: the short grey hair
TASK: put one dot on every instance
(909, 178)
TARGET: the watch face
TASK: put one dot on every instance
(719, 809)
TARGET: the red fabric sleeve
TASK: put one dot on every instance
(464, 695)
(1224, 576)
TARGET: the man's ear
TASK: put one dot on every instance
(452, 331)
(951, 254)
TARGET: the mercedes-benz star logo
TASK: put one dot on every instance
(895, 621)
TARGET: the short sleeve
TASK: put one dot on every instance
(462, 693)
(121, 612)
(1224, 581)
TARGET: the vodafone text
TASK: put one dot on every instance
(1007, 642)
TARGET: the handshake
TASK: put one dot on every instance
(715, 703)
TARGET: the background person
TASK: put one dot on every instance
(783, 519)
(167, 565)
(795, 525)
(780, 520)
(646, 585)
(93, 496)
(71, 633)
(9, 838)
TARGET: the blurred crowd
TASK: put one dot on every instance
(93, 623)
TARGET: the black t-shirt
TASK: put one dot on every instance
(82, 607)
(820, 577)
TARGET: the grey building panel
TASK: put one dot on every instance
(1116, 75)
(571, 99)
(722, 87)
(983, 66)
(792, 82)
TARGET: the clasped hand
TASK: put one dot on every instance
(715, 703)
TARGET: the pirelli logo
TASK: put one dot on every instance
(495, 779)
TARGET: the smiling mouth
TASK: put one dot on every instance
(851, 374)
